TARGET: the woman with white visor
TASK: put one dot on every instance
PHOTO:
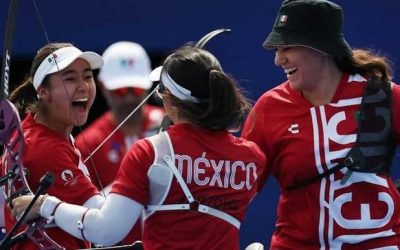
(53, 99)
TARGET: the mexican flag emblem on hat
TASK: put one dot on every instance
(283, 20)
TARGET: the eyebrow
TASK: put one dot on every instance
(73, 71)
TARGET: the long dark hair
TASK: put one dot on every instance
(366, 63)
(222, 105)
(24, 96)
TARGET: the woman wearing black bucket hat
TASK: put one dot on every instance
(329, 134)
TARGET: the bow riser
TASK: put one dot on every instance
(11, 136)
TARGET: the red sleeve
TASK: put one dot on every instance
(396, 112)
(254, 127)
(70, 183)
(261, 163)
(254, 130)
(131, 180)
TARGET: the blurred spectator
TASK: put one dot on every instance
(124, 83)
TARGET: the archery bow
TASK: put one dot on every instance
(13, 143)
(207, 37)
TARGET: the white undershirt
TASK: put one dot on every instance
(98, 222)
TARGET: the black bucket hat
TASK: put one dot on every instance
(317, 24)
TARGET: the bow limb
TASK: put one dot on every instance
(6, 62)
(207, 37)
(5, 73)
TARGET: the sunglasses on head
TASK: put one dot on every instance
(132, 90)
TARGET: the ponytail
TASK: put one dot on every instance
(24, 97)
(225, 108)
(367, 64)
(228, 107)
(221, 105)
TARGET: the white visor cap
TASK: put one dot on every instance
(176, 90)
(62, 58)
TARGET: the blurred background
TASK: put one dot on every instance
(161, 26)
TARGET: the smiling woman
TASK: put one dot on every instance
(69, 97)
(56, 97)
(329, 134)
(61, 87)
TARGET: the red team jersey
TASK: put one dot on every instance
(221, 171)
(107, 159)
(47, 150)
(300, 141)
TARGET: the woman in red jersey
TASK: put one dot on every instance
(329, 134)
(56, 97)
(195, 180)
